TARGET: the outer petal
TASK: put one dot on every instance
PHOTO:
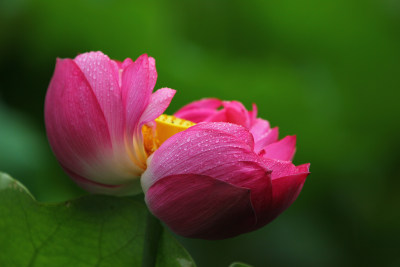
(198, 149)
(221, 151)
(102, 75)
(131, 187)
(199, 206)
(282, 150)
(286, 189)
(76, 126)
(287, 182)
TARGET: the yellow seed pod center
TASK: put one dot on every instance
(165, 127)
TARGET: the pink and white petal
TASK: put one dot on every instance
(75, 123)
(102, 75)
(199, 206)
(268, 138)
(159, 101)
(198, 149)
(130, 188)
(206, 103)
(196, 115)
(282, 150)
(137, 81)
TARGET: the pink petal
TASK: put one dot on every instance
(199, 111)
(303, 168)
(196, 115)
(285, 191)
(253, 114)
(218, 116)
(207, 103)
(284, 168)
(268, 138)
(159, 102)
(200, 148)
(76, 126)
(130, 188)
(237, 113)
(259, 128)
(281, 150)
(102, 75)
(124, 64)
(138, 81)
(199, 206)
(287, 182)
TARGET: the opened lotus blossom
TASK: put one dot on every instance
(95, 109)
(225, 176)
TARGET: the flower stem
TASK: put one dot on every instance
(151, 240)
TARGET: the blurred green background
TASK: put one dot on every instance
(328, 71)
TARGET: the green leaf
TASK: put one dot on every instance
(239, 264)
(93, 230)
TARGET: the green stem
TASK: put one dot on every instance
(151, 240)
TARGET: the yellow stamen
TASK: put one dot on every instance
(165, 127)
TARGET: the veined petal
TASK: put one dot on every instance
(281, 150)
(259, 128)
(76, 126)
(221, 151)
(138, 81)
(286, 189)
(129, 188)
(206, 103)
(196, 115)
(217, 209)
(159, 101)
(198, 149)
(287, 182)
(268, 138)
(282, 168)
(102, 75)
(199, 111)
(237, 113)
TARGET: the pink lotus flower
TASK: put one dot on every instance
(220, 179)
(95, 109)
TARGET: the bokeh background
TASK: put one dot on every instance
(328, 71)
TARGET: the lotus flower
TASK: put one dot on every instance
(95, 110)
(217, 180)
